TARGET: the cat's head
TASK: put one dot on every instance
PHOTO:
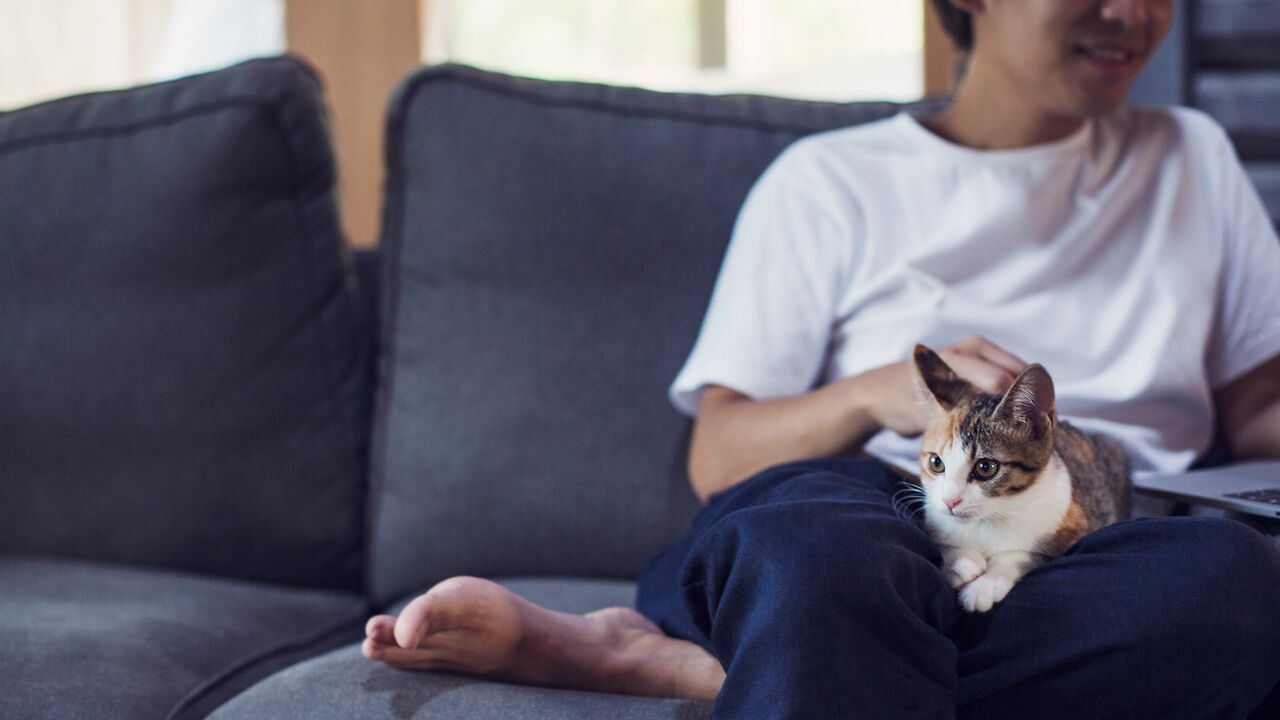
(980, 450)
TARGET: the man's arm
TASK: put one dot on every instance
(735, 437)
(1249, 413)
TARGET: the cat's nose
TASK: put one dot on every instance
(951, 504)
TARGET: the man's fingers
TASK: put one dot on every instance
(415, 659)
(1000, 382)
(380, 627)
(997, 355)
(991, 379)
(982, 373)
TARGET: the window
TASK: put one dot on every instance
(51, 48)
(820, 49)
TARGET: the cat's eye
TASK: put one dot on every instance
(986, 468)
(935, 464)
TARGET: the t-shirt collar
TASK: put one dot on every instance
(1070, 145)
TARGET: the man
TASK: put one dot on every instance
(1122, 248)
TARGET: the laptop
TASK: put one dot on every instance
(1249, 487)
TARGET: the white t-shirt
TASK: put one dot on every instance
(1133, 259)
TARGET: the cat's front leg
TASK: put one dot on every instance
(1004, 569)
(962, 565)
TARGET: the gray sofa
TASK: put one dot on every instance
(225, 440)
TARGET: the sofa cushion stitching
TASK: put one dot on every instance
(212, 683)
(69, 136)
(462, 74)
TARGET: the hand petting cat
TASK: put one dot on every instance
(980, 362)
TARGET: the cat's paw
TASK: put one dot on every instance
(965, 569)
(984, 592)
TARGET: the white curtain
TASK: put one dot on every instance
(205, 34)
(52, 48)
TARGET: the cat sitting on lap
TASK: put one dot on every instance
(1006, 486)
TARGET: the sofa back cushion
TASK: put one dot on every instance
(180, 364)
(550, 249)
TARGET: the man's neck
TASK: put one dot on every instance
(987, 115)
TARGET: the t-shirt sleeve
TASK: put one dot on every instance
(1247, 322)
(767, 327)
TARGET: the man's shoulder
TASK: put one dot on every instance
(1171, 128)
(846, 147)
(875, 136)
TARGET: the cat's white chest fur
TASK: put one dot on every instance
(1009, 523)
(985, 555)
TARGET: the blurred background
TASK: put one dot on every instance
(1224, 55)
(802, 48)
(819, 49)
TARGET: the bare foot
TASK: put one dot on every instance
(472, 626)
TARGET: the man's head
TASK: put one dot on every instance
(1072, 57)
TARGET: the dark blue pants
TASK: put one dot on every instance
(821, 601)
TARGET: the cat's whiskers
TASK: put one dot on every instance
(996, 517)
(909, 502)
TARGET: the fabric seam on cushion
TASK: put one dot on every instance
(463, 74)
(286, 58)
(217, 679)
(69, 136)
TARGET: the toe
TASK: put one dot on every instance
(449, 604)
(411, 624)
(417, 659)
(381, 628)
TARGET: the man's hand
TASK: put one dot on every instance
(735, 436)
(895, 402)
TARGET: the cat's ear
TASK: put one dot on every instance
(1029, 401)
(936, 381)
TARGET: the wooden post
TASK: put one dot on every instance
(362, 49)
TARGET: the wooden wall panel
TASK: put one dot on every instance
(362, 49)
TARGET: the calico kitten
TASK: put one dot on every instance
(1006, 486)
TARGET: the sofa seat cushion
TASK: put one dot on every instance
(343, 684)
(113, 641)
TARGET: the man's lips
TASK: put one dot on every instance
(1109, 57)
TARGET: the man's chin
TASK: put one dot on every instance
(1096, 107)
(1102, 104)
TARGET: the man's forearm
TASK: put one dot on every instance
(735, 438)
(1249, 413)
(1259, 437)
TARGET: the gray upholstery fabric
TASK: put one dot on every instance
(343, 684)
(182, 374)
(550, 249)
(104, 641)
